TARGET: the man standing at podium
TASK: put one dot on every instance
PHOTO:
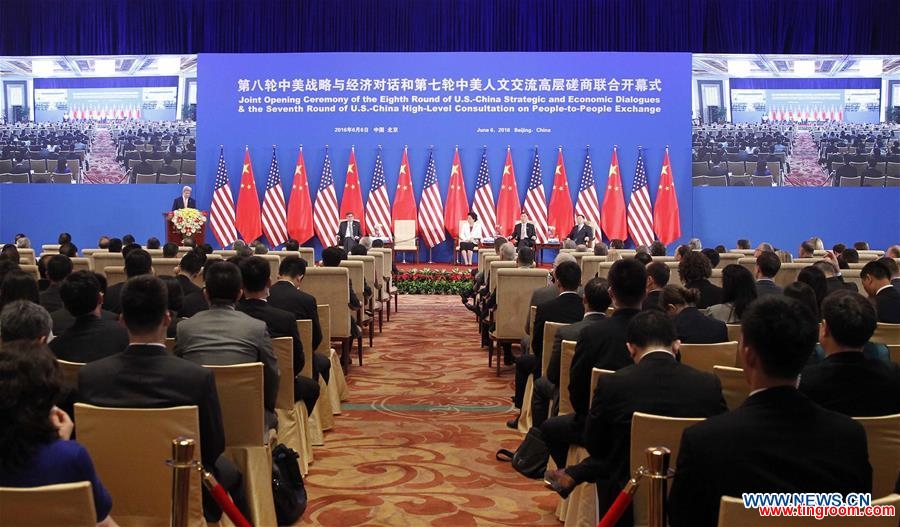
(185, 201)
(348, 232)
(581, 234)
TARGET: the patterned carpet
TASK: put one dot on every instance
(805, 168)
(104, 167)
(416, 441)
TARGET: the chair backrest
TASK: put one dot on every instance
(26, 256)
(550, 329)
(330, 285)
(115, 274)
(653, 431)
(894, 351)
(852, 275)
(284, 354)
(357, 275)
(368, 269)
(378, 260)
(727, 259)
(485, 257)
(145, 178)
(733, 514)
(70, 504)
(405, 235)
(494, 267)
(883, 438)
(131, 461)
(308, 254)
(104, 259)
(304, 328)
(274, 262)
(716, 277)
(81, 264)
(31, 269)
(514, 288)
(735, 389)
(596, 373)
(590, 267)
(166, 266)
(567, 353)
(70, 372)
(240, 389)
(324, 311)
(704, 356)
(886, 333)
(169, 179)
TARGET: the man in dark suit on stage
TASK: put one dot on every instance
(90, 337)
(656, 384)
(146, 376)
(773, 442)
(348, 232)
(526, 238)
(767, 266)
(581, 234)
(876, 279)
(185, 201)
(847, 381)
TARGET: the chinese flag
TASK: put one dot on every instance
(352, 199)
(612, 212)
(508, 207)
(299, 213)
(404, 198)
(666, 221)
(457, 206)
(561, 213)
(247, 219)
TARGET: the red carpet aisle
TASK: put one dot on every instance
(104, 168)
(805, 168)
(415, 444)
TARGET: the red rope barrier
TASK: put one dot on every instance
(221, 496)
(618, 508)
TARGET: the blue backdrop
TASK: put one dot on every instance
(226, 80)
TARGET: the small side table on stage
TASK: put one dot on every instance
(550, 244)
(172, 234)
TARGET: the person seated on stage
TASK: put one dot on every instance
(773, 441)
(523, 234)
(35, 449)
(581, 233)
(469, 236)
(168, 168)
(876, 280)
(348, 232)
(185, 201)
(170, 250)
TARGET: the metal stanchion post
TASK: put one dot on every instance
(658, 473)
(183, 465)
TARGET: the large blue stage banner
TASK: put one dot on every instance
(472, 101)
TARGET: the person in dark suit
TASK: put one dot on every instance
(567, 307)
(58, 268)
(19, 167)
(523, 234)
(137, 262)
(90, 337)
(694, 269)
(599, 345)
(169, 169)
(348, 233)
(146, 376)
(185, 201)
(546, 387)
(893, 268)
(773, 442)
(767, 266)
(833, 280)
(657, 279)
(285, 294)
(847, 381)
(876, 280)
(656, 384)
(581, 233)
(691, 325)
(188, 269)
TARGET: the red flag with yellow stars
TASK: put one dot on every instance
(247, 219)
(300, 211)
(612, 212)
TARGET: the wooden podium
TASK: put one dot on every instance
(172, 234)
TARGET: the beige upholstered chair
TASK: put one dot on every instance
(104, 259)
(405, 239)
(131, 461)
(81, 264)
(567, 353)
(330, 285)
(31, 269)
(26, 256)
(886, 333)
(495, 266)
(653, 431)
(373, 306)
(883, 437)
(308, 254)
(716, 277)
(514, 287)
(115, 274)
(322, 417)
(734, 332)
(485, 257)
(726, 259)
(337, 385)
(894, 350)
(70, 372)
(293, 426)
(735, 389)
(388, 288)
(61, 505)
(590, 267)
(704, 356)
(165, 266)
(357, 275)
(733, 514)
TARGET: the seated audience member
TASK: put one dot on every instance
(861, 246)
(692, 326)
(657, 248)
(10, 252)
(763, 248)
(894, 269)
(188, 270)
(713, 257)
(767, 266)
(35, 449)
(68, 249)
(259, 247)
(255, 272)
(61, 166)
(656, 384)
(833, 280)
(294, 245)
(146, 376)
(762, 169)
(89, 337)
(137, 262)
(876, 280)
(694, 270)
(806, 250)
(170, 250)
(695, 244)
(600, 249)
(545, 294)
(893, 251)
(721, 249)
(814, 278)
(128, 247)
(18, 285)
(115, 245)
(128, 239)
(286, 294)
(644, 258)
(616, 244)
(221, 335)
(175, 304)
(743, 244)
(23, 242)
(838, 248)
(599, 345)
(58, 268)
(64, 237)
(63, 320)
(777, 431)
(847, 381)
(738, 290)
(167, 167)
(850, 256)
(153, 243)
(657, 279)
(680, 251)
(803, 293)
(525, 258)
(24, 320)
(103, 242)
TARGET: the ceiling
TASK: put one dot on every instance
(711, 65)
(98, 66)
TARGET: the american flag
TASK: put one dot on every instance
(431, 210)
(483, 203)
(588, 204)
(325, 211)
(378, 212)
(221, 218)
(274, 213)
(536, 200)
(640, 215)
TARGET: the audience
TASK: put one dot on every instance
(170, 250)
(137, 262)
(738, 290)
(58, 268)
(694, 269)
(876, 280)
(657, 279)
(814, 278)
(804, 294)
(24, 320)
(691, 326)
(18, 285)
(833, 279)
(89, 337)
(767, 266)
